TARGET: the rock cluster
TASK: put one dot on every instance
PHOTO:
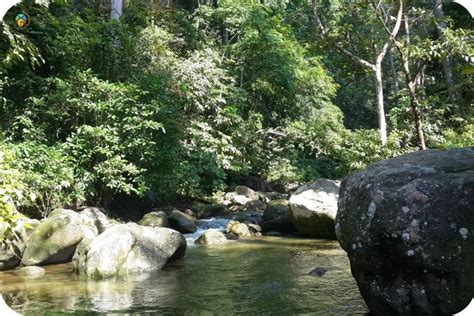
(98, 246)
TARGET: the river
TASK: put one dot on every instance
(264, 275)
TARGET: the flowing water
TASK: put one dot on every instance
(265, 275)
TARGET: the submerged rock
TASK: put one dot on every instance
(407, 225)
(319, 272)
(211, 237)
(313, 208)
(130, 249)
(30, 272)
(155, 219)
(182, 222)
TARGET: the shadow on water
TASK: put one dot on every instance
(259, 276)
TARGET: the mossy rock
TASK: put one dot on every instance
(54, 240)
(155, 219)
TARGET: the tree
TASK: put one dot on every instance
(454, 94)
(412, 80)
(374, 66)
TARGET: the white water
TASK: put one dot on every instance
(205, 225)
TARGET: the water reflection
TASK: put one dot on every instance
(264, 276)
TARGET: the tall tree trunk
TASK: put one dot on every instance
(415, 109)
(454, 94)
(116, 9)
(414, 102)
(411, 83)
(380, 104)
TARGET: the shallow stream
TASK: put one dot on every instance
(265, 276)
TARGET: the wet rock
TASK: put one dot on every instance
(240, 200)
(273, 234)
(313, 208)
(131, 249)
(275, 209)
(183, 223)
(277, 217)
(247, 192)
(240, 229)
(189, 212)
(407, 225)
(155, 219)
(319, 272)
(30, 272)
(255, 229)
(255, 206)
(266, 197)
(247, 217)
(231, 236)
(211, 237)
(212, 210)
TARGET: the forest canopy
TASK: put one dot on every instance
(180, 99)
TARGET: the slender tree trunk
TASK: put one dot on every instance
(454, 94)
(380, 104)
(415, 108)
(411, 83)
(116, 9)
(414, 102)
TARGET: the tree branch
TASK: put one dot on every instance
(339, 46)
(393, 33)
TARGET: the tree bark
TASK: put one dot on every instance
(454, 94)
(380, 104)
(411, 83)
(116, 9)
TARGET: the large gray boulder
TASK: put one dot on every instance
(313, 208)
(95, 219)
(182, 222)
(56, 238)
(407, 225)
(130, 249)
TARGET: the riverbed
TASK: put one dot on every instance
(264, 275)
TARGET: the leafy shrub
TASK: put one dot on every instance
(48, 177)
(11, 193)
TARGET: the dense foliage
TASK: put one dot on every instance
(175, 101)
